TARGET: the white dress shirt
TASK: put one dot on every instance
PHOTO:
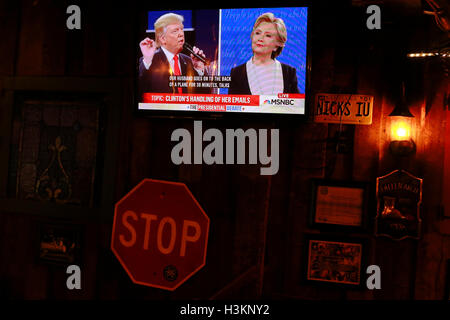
(265, 80)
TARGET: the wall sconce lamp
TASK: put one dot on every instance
(402, 129)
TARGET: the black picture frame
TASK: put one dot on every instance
(330, 210)
(105, 93)
(335, 261)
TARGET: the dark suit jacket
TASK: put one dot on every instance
(156, 78)
(239, 80)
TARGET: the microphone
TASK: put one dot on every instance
(189, 48)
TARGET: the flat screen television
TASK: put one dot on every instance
(223, 61)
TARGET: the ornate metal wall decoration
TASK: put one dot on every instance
(54, 183)
(399, 196)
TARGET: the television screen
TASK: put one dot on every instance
(224, 60)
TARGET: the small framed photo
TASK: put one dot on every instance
(339, 204)
(332, 261)
(59, 244)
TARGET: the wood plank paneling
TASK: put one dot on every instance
(124, 42)
(9, 28)
(220, 205)
(42, 44)
(446, 178)
(308, 162)
(98, 47)
(277, 217)
(75, 48)
(17, 254)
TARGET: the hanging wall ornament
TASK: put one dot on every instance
(399, 196)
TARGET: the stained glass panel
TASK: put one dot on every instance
(54, 151)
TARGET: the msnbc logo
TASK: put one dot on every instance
(280, 102)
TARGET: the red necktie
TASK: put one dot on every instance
(177, 70)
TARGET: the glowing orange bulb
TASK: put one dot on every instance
(401, 132)
(400, 129)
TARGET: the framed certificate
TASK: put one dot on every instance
(339, 204)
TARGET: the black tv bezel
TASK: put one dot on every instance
(221, 115)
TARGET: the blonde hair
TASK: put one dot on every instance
(163, 22)
(279, 26)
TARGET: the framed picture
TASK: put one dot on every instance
(334, 261)
(339, 204)
(59, 243)
(55, 133)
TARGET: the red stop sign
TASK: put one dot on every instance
(160, 234)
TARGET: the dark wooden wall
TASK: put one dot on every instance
(258, 223)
